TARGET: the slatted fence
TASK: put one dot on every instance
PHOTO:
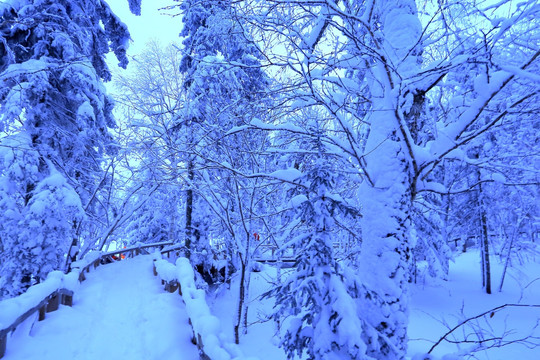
(64, 296)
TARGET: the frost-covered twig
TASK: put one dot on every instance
(491, 312)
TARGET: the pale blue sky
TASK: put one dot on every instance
(152, 24)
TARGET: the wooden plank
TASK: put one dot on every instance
(138, 248)
(66, 297)
(200, 346)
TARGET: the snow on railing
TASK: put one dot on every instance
(58, 289)
(42, 298)
(207, 334)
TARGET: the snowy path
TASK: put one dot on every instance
(120, 312)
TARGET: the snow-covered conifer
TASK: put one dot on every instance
(52, 65)
(40, 212)
(316, 308)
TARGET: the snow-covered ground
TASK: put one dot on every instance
(436, 306)
(120, 312)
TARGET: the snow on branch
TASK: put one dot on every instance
(531, 340)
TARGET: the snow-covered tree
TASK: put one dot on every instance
(226, 90)
(225, 86)
(52, 65)
(316, 310)
(151, 98)
(385, 73)
(40, 214)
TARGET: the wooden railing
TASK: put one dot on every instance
(64, 296)
(180, 277)
(50, 303)
(130, 252)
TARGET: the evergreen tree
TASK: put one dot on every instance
(36, 226)
(225, 89)
(52, 64)
(314, 305)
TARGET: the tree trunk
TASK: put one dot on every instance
(384, 260)
(385, 252)
(486, 267)
(484, 237)
(247, 281)
(189, 208)
(241, 299)
(507, 261)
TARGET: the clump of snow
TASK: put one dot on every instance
(286, 174)
(165, 270)
(402, 30)
(298, 200)
(88, 259)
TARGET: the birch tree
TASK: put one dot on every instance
(385, 73)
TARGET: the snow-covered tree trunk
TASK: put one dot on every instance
(387, 190)
(385, 250)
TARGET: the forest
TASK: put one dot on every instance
(360, 147)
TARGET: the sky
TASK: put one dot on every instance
(152, 24)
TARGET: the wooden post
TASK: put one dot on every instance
(200, 346)
(53, 303)
(3, 343)
(67, 300)
(171, 286)
(199, 342)
(42, 313)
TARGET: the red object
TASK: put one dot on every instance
(256, 236)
